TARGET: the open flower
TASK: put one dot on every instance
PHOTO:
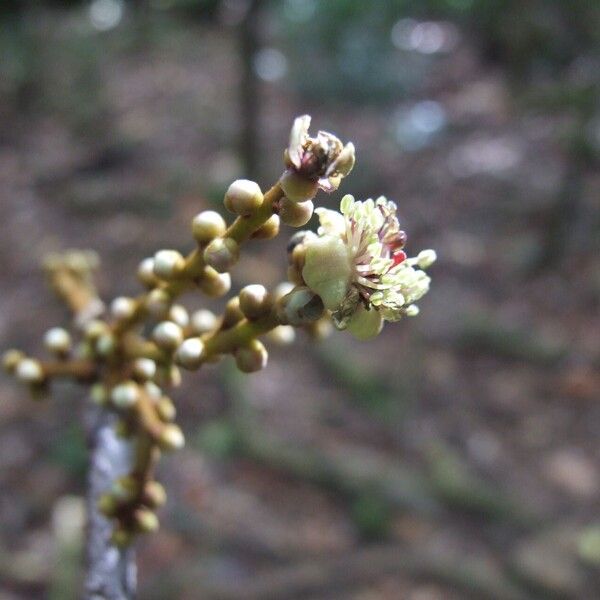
(314, 162)
(359, 268)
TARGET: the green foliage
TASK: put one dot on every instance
(371, 515)
(70, 452)
(219, 438)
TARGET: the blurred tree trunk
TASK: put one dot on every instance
(111, 573)
(249, 143)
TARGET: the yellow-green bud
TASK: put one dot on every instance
(125, 395)
(203, 321)
(296, 187)
(99, 394)
(146, 274)
(327, 269)
(207, 226)
(94, 329)
(171, 438)
(166, 410)
(122, 308)
(108, 505)
(145, 520)
(412, 310)
(221, 254)
(152, 390)
(125, 488)
(121, 537)
(255, 301)
(58, 341)
(214, 284)
(299, 307)
(144, 369)
(426, 258)
(154, 494)
(189, 354)
(173, 376)
(105, 345)
(269, 230)
(167, 335)
(232, 314)
(295, 214)
(168, 264)
(365, 324)
(282, 335)
(29, 370)
(10, 360)
(179, 315)
(252, 357)
(158, 303)
(243, 197)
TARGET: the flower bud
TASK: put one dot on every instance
(145, 273)
(426, 258)
(255, 301)
(153, 390)
(269, 230)
(299, 307)
(282, 335)
(295, 214)
(189, 354)
(145, 520)
(327, 269)
(158, 303)
(167, 335)
(296, 187)
(171, 438)
(166, 410)
(121, 537)
(125, 489)
(125, 395)
(232, 314)
(58, 341)
(412, 310)
(365, 324)
(154, 494)
(123, 308)
(144, 369)
(221, 254)
(168, 264)
(29, 370)
(207, 226)
(105, 345)
(252, 357)
(173, 376)
(94, 329)
(10, 360)
(203, 321)
(243, 197)
(214, 284)
(99, 394)
(179, 315)
(108, 505)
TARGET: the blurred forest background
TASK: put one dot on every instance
(454, 457)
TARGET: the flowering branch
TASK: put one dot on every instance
(353, 272)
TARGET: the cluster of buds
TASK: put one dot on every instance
(352, 272)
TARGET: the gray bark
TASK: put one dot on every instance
(111, 573)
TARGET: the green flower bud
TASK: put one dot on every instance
(179, 315)
(327, 269)
(269, 230)
(125, 395)
(154, 494)
(214, 284)
(252, 357)
(125, 489)
(232, 314)
(106, 345)
(282, 335)
(168, 264)
(221, 254)
(145, 520)
(255, 301)
(58, 341)
(30, 371)
(108, 505)
(10, 360)
(426, 258)
(189, 354)
(158, 303)
(243, 197)
(298, 188)
(144, 369)
(166, 410)
(207, 226)
(171, 438)
(146, 274)
(121, 537)
(203, 321)
(167, 335)
(99, 394)
(295, 214)
(365, 324)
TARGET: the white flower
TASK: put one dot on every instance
(364, 243)
(323, 159)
